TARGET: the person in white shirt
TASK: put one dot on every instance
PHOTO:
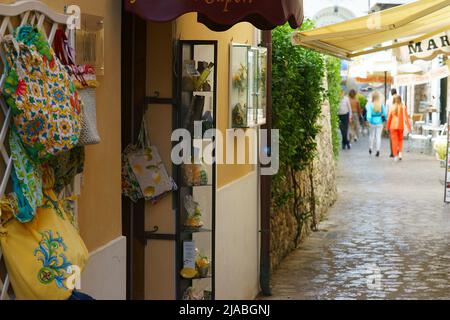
(345, 117)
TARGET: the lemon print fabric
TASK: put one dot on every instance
(150, 173)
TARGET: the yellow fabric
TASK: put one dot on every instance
(23, 245)
(423, 18)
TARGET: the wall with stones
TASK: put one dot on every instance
(318, 193)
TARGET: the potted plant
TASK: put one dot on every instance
(441, 152)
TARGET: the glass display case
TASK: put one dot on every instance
(248, 81)
(195, 201)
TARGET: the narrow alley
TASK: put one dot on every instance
(387, 237)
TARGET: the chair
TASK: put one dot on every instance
(418, 122)
(417, 117)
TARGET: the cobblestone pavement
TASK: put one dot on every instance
(387, 237)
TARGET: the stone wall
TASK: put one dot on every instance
(318, 190)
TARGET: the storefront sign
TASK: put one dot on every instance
(412, 79)
(221, 15)
(430, 48)
(447, 169)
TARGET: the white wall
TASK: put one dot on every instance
(358, 7)
(105, 275)
(237, 245)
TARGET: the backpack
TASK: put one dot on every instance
(45, 105)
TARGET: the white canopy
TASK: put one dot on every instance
(392, 28)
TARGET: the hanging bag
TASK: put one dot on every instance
(41, 256)
(84, 78)
(26, 179)
(145, 175)
(45, 104)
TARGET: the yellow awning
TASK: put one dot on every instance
(403, 24)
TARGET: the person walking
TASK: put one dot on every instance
(388, 107)
(376, 116)
(398, 119)
(355, 126)
(345, 117)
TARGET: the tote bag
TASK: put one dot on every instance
(144, 168)
(85, 80)
(40, 255)
(45, 104)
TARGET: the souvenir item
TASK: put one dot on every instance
(26, 180)
(44, 256)
(202, 264)
(85, 80)
(66, 167)
(194, 113)
(147, 169)
(191, 294)
(238, 116)
(207, 123)
(45, 104)
(188, 273)
(195, 175)
(194, 213)
(130, 185)
(205, 69)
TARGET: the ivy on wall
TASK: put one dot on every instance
(333, 94)
(298, 96)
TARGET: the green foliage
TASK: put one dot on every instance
(334, 97)
(297, 98)
(298, 94)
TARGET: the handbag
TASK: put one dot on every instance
(144, 170)
(41, 255)
(84, 78)
(45, 104)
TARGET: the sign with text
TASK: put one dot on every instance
(427, 49)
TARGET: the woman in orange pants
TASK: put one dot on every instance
(398, 118)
